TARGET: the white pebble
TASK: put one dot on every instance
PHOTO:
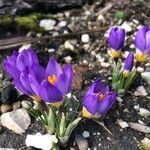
(68, 59)
(144, 112)
(47, 24)
(62, 24)
(122, 123)
(85, 38)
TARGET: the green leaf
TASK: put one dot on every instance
(72, 126)
(62, 127)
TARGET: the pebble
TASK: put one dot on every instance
(86, 134)
(105, 64)
(146, 143)
(62, 24)
(126, 26)
(144, 112)
(17, 121)
(140, 69)
(122, 123)
(81, 142)
(68, 45)
(9, 94)
(16, 105)
(47, 24)
(146, 76)
(6, 108)
(139, 127)
(68, 59)
(51, 50)
(85, 38)
(137, 107)
(100, 18)
(26, 46)
(140, 91)
(44, 142)
(26, 104)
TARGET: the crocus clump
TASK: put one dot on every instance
(50, 84)
(98, 100)
(142, 44)
(116, 41)
(128, 64)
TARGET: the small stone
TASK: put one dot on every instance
(140, 69)
(137, 107)
(68, 59)
(122, 123)
(85, 61)
(26, 104)
(16, 105)
(140, 91)
(62, 24)
(68, 45)
(145, 144)
(6, 108)
(139, 127)
(105, 64)
(100, 18)
(17, 121)
(146, 76)
(69, 95)
(44, 142)
(9, 94)
(126, 26)
(51, 50)
(86, 134)
(47, 24)
(144, 112)
(85, 38)
(81, 142)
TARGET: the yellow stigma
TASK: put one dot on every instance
(36, 98)
(101, 96)
(52, 79)
(140, 57)
(86, 114)
(114, 53)
(57, 104)
(126, 74)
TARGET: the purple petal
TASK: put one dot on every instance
(140, 41)
(53, 68)
(105, 104)
(38, 72)
(49, 92)
(12, 59)
(147, 49)
(34, 85)
(97, 86)
(90, 102)
(68, 71)
(62, 84)
(105, 90)
(12, 71)
(25, 82)
(128, 65)
(19, 85)
(113, 39)
(33, 57)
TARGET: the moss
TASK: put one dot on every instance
(6, 20)
(119, 14)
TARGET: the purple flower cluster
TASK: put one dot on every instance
(49, 84)
(98, 100)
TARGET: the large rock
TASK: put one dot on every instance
(17, 121)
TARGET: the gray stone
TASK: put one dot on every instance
(47, 24)
(17, 121)
(16, 105)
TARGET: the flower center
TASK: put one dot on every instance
(140, 57)
(114, 53)
(52, 79)
(36, 98)
(101, 96)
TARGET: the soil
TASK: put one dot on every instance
(90, 67)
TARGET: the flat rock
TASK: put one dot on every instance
(17, 121)
(5, 108)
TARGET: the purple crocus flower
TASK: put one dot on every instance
(142, 43)
(57, 82)
(98, 100)
(116, 41)
(128, 64)
(17, 65)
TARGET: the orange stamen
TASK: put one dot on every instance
(52, 79)
(101, 96)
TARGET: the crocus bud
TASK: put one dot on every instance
(128, 64)
(142, 44)
(116, 41)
